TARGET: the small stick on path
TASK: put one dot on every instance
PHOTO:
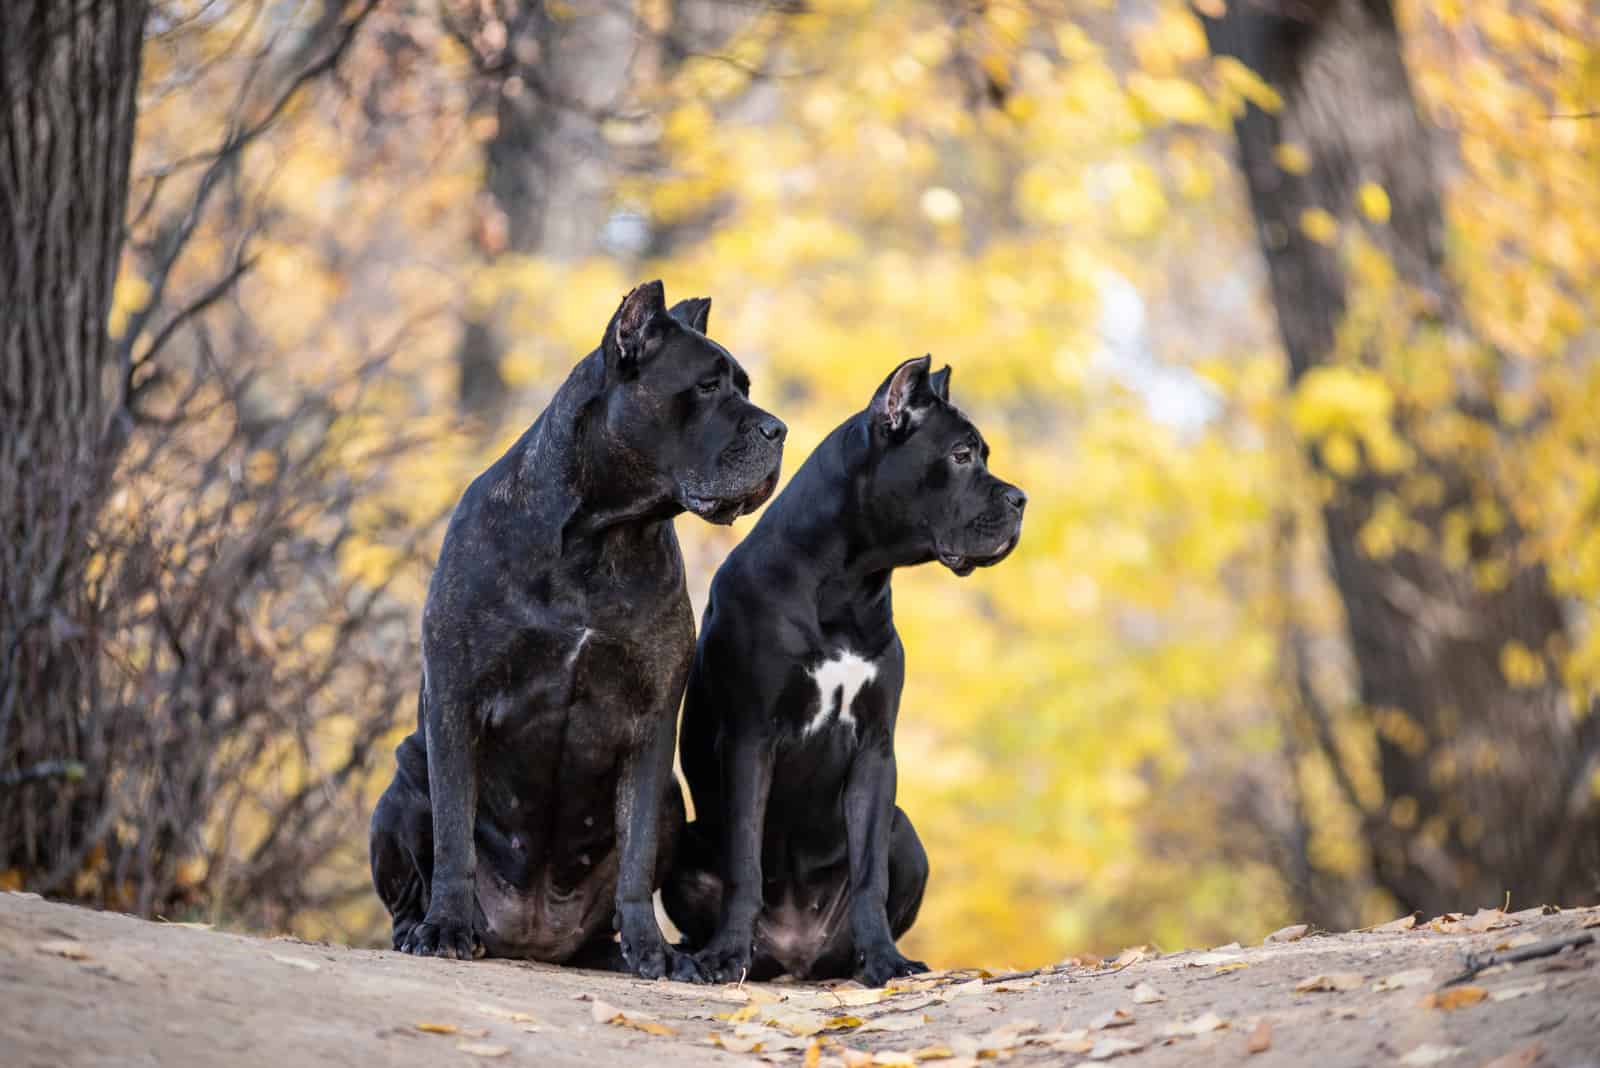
(1548, 948)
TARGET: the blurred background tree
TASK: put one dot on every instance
(1282, 313)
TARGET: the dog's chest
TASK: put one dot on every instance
(839, 680)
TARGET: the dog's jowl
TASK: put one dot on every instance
(533, 812)
(799, 860)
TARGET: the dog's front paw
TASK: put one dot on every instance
(651, 958)
(453, 941)
(724, 963)
(880, 965)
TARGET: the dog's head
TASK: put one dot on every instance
(677, 405)
(930, 481)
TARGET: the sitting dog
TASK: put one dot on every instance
(534, 812)
(799, 860)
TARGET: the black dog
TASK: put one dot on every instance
(534, 810)
(798, 860)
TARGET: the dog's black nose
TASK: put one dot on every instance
(772, 428)
(1016, 498)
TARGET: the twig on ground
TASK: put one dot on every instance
(1010, 976)
(1548, 948)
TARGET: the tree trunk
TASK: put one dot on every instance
(1485, 783)
(69, 74)
(546, 184)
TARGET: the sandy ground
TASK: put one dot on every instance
(88, 988)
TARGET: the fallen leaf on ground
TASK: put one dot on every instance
(848, 998)
(1220, 955)
(1114, 1018)
(1489, 920)
(1429, 1054)
(933, 1053)
(1260, 1038)
(805, 1024)
(1145, 994)
(1007, 1036)
(1133, 955)
(743, 995)
(1518, 941)
(1401, 980)
(1509, 993)
(1292, 933)
(1520, 1058)
(1235, 966)
(64, 947)
(505, 1014)
(438, 1028)
(1201, 1025)
(296, 962)
(1336, 982)
(894, 1057)
(1479, 922)
(747, 1038)
(1404, 923)
(855, 1058)
(1106, 1048)
(483, 1049)
(961, 990)
(737, 1043)
(813, 1055)
(1457, 997)
(1076, 1041)
(1015, 986)
(908, 1022)
(606, 1013)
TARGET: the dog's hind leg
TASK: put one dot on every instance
(402, 855)
(692, 891)
(908, 874)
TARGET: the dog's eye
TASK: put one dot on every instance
(710, 385)
(962, 455)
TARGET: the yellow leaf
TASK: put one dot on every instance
(1247, 83)
(1374, 202)
(64, 947)
(1319, 225)
(1521, 666)
(1458, 997)
(1292, 157)
(438, 1028)
(1336, 982)
(483, 1049)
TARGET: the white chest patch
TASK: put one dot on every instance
(838, 681)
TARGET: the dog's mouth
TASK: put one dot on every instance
(964, 564)
(724, 510)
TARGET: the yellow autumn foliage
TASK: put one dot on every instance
(1082, 724)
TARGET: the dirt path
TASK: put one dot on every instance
(88, 988)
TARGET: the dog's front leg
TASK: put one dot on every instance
(447, 929)
(645, 771)
(746, 784)
(868, 817)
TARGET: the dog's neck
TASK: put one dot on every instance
(854, 558)
(567, 471)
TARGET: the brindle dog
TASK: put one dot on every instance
(534, 811)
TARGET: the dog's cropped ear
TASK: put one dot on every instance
(693, 312)
(893, 404)
(939, 382)
(636, 326)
